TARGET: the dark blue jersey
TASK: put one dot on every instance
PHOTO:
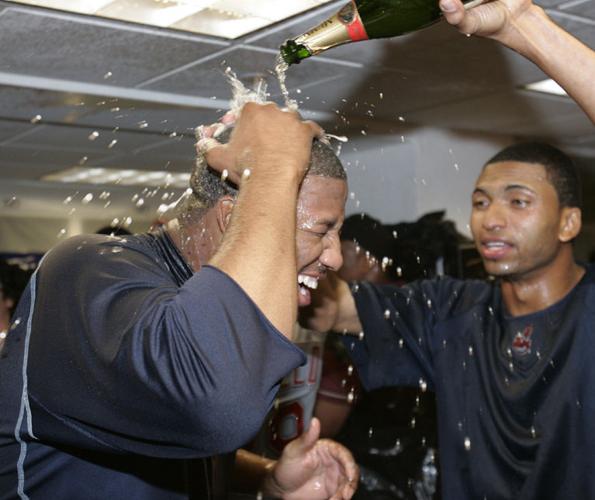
(515, 401)
(123, 369)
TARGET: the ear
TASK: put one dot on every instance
(570, 224)
(224, 209)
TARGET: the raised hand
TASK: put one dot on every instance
(313, 469)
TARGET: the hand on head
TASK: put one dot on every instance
(265, 139)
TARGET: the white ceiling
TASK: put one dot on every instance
(149, 87)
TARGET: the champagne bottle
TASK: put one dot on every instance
(364, 20)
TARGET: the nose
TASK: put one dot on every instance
(493, 217)
(331, 257)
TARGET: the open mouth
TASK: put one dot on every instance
(305, 284)
(495, 249)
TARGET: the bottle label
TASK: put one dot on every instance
(353, 22)
(345, 26)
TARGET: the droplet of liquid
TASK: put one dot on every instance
(61, 233)
(36, 119)
(88, 198)
(93, 135)
(467, 444)
(112, 144)
(423, 385)
(351, 396)
(387, 314)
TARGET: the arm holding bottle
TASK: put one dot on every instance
(526, 28)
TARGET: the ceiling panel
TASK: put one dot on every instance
(208, 79)
(69, 47)
(10, 129)
(30, 163)
(511, 112)
(85, 140)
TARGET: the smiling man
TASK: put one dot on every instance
(510, 360)
(133, 360)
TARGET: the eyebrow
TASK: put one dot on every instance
(509, 187)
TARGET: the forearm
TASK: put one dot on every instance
(347, 319)
(258, 250)
(561, 56)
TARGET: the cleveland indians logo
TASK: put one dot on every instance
(521, 344)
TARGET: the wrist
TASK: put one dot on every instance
(270, 485)
(525, 31)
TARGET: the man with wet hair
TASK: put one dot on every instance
(137, 358)
(510, 360)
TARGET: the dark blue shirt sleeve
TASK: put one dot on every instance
(398, 322)
(122, 359)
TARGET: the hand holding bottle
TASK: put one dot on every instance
(496, 19)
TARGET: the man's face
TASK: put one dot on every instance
(320, 214)
(516, 218)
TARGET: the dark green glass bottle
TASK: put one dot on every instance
(363, 20)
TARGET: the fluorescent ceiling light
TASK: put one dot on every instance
(120, 177)
(547, 86)
(223, 18)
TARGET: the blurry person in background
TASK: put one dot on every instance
(141, 363)
(391, 431)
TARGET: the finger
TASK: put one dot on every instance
(345, 458)
(229, 118)
(219, 159)
(349, 489)
(317, 130)
(453, 11)
(205, 144)
(306, 441)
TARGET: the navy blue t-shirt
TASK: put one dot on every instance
(123, 369)
(515, 395)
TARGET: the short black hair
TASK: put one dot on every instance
(207, 186)
(560, 169)
(369, 234)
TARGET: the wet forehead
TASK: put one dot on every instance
(322, 199)
(505, 175)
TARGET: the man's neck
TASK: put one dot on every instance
(540, 288)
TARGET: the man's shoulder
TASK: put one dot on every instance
(96, 253)
(98, 246)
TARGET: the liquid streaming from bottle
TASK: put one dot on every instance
(281, 71)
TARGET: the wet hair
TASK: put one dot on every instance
(207, 186)
(560, 169)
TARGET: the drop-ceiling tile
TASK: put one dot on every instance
(10, 129)
(71, 47)
(209, 80)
